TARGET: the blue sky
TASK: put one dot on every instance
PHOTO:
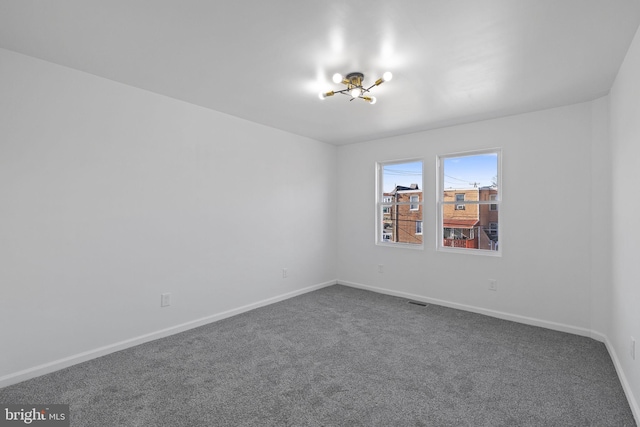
(469, 171)
(459, 172)
(402, 174)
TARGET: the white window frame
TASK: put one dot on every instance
(414, 205)
(441, 203)
(419, 226)
(380, 203)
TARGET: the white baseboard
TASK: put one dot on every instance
(493, 313)
(633, 403)
(56, 365)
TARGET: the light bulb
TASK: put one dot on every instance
(372, 100)
(323, 95)
(355, 92)
(387, 76)
(337, 78)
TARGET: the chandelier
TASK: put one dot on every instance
(354, 88)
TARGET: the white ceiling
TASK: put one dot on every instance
(453, 61)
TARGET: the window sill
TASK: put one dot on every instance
(481, 252)
(401, 245)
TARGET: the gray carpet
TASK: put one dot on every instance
(344, 357)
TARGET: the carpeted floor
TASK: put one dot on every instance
(344, 357)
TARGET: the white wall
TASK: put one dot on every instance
(111, 195)
(544, 275)
(600, 210)
(625, 141)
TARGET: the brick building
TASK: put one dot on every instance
(467, 225)
(402, 218)
(470, 225)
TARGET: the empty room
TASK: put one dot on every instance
(337, 213)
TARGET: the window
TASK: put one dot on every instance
(468, 202)
(398, 201)
(414, 206)
(386, 209)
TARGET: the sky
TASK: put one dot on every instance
(401, 174)
(459, 172)
(479, 170)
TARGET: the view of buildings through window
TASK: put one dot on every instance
(469, 200)
(400, 203)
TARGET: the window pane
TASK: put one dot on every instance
(464, 234)
(400, 224)
(400, 203)
(470, 184)
(466, 172)
(403, 176)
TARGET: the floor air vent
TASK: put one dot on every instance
(421, 304)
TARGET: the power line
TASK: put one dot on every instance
(457, 179)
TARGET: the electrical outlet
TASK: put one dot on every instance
(633, 349)
(493, 285)
(165, 300)
(285, 273)
(380, 268)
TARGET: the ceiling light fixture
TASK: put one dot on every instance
(353, 82)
